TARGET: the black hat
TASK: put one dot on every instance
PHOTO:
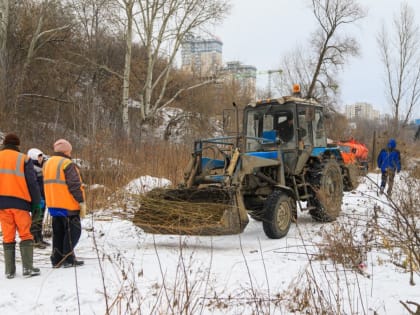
(11, 139)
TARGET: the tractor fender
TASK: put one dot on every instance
(286, 189)
(326, 152)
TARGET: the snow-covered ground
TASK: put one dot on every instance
(130, 272)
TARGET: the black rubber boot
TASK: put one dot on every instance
(36, 231)
(38, 240)
(75, 263)
(27, 254)
(41, 238)
(9, 259)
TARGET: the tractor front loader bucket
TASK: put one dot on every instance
(192, 211)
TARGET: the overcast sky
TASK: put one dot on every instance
(260, 32)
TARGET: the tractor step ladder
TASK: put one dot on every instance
(306, 194)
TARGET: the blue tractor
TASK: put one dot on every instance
(278, 162)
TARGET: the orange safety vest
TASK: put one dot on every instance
(57, 194)
(12, 175)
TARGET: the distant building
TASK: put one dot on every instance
(244, 75)
(362, 111)
(201, 56)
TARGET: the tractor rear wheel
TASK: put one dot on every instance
(351, 180)
(328, 193)
(277, 215)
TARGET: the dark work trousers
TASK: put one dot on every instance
(388, 177)
(66, 235)
(36, 226)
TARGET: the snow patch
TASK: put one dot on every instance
(144, 184)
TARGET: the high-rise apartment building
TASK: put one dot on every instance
(202, 57)
(362, 111)
(244, 75)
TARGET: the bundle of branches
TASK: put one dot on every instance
(183, 211)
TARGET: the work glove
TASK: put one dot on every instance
(36, 211)
(82, 209)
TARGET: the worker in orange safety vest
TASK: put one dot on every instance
(19, 197)
(65, 199)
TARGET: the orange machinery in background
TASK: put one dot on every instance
(354, 152)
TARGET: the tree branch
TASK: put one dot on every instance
(51, 98)
(184, 90)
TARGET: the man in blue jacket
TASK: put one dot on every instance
(389, 162)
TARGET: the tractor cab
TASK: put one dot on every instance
(288, 124)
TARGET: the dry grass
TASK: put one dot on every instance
(415, 172)
(340, 246)
(346, 244)
(110, 169)
(397, 226)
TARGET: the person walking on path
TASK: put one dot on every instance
(65, 199)
(38, 158)
(19, 195)
(389, 161)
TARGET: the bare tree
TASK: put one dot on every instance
(296, 68)
(39, 38)
(128, 7)
(96, 21)
(316, 68)
(331, 47)
(401, 58)
(4, 22)
(162, 26)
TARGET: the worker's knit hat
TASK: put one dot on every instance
(62, 146)
(11, 139)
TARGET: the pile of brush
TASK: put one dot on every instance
(182, 211)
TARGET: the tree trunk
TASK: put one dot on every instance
(127, 68)
(28, 60)
(4, 22)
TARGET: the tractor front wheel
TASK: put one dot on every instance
(277, 215)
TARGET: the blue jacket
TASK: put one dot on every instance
(389, 158)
